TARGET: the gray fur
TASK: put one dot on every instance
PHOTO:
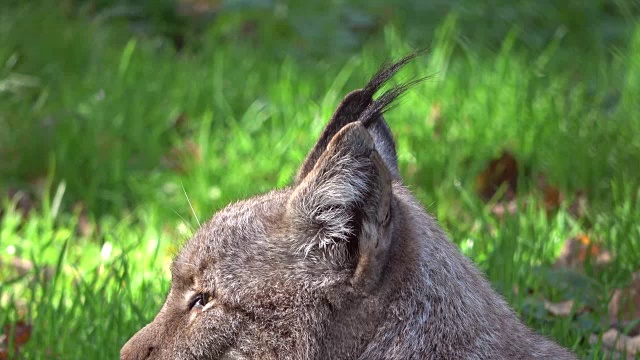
(344, 264)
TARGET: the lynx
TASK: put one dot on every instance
(343, 264)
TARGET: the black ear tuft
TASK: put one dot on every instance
(376, 108)
(386, 72)
(360, 106)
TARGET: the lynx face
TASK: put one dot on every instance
(343, 264)
(264, 277)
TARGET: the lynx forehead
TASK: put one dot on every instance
(342, 264)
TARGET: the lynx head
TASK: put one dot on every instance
(300, 272)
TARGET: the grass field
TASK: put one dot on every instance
(110, 132)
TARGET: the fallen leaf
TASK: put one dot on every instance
(502, 171)
(181, 157)
(561, 309)
(577, 250)
(551, 195)
(198, 8)
(578, 207)
(624, 307)
(38, 187)
(618, 344)
(23, 200)
(552, 198)
(502, 208)
(22, 267)
(84, 228)
(21, 334)
(181, 123)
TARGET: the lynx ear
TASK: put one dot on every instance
(359, 105)
(340, 213)
(347, 112)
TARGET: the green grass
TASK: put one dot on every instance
(90, 110)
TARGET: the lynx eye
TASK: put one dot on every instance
(200, 301)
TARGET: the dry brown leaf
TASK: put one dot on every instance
(38, 186)
(181, 121)
(181, 157)
(499, 172)
(618, 344)
(552, 196)
(502, 208)
(624, 307)
(84, 227)
(21, 334)
(561, 309)
(578, 207)
(181, 124)
(23, 200)
(578, 249)
(22, 267)
(198, 8)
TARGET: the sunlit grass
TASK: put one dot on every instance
(97, 113)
